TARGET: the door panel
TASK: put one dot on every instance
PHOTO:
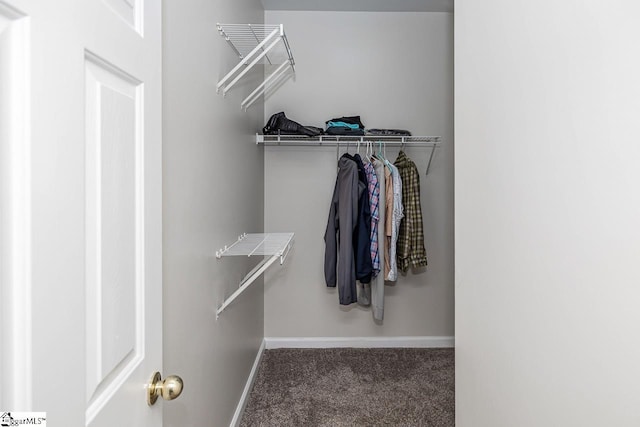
(114, 245)
(129, 11)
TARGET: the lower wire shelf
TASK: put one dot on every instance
(274, 245)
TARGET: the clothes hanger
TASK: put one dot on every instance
(387, 162)
(379, 154)
(384, 154)
(365, 156)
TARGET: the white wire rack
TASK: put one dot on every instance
(351, 141)
(342, 139)
(274, 245)
(256, 44)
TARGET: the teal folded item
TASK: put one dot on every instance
(342, 125)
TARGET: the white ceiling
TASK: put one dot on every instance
(362, 5)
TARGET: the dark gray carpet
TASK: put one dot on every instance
(353, 387)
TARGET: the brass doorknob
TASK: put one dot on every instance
(169, 388)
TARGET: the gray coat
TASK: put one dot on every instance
(377, 285)
(343, 216)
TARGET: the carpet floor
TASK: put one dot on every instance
(353, 387)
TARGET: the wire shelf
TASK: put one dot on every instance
(265, 244)
(344, 140)
(243, 39)
(349, 141)
(257, 44)
(273, 245)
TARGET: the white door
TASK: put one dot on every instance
(80, 211)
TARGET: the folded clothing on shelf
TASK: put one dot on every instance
(339, 130)
(279, 124)
(331, 124)
(350, 125)
(388, 132)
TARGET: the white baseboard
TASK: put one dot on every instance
(360, 342)
(242, 404)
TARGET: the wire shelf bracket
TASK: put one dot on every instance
(254, 44)
(272, 245)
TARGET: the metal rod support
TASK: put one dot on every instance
(235, 69)
(246, 283)
(261, 87)
(246, 70)
(255, 36)
(433, 149)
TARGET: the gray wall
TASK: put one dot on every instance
(394, 70)
(547, 213)
(212, 193)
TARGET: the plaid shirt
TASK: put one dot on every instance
(410, 249)
(374, 196)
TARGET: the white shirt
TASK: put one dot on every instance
(398, 214)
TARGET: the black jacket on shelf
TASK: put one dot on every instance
(279, 124)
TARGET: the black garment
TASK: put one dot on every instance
(362, 232)
(279, 124)
(390, 132)
(343, 130)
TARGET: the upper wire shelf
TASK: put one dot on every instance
(256, 44)
(340, 141)
(343, 139)
(243, 39)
